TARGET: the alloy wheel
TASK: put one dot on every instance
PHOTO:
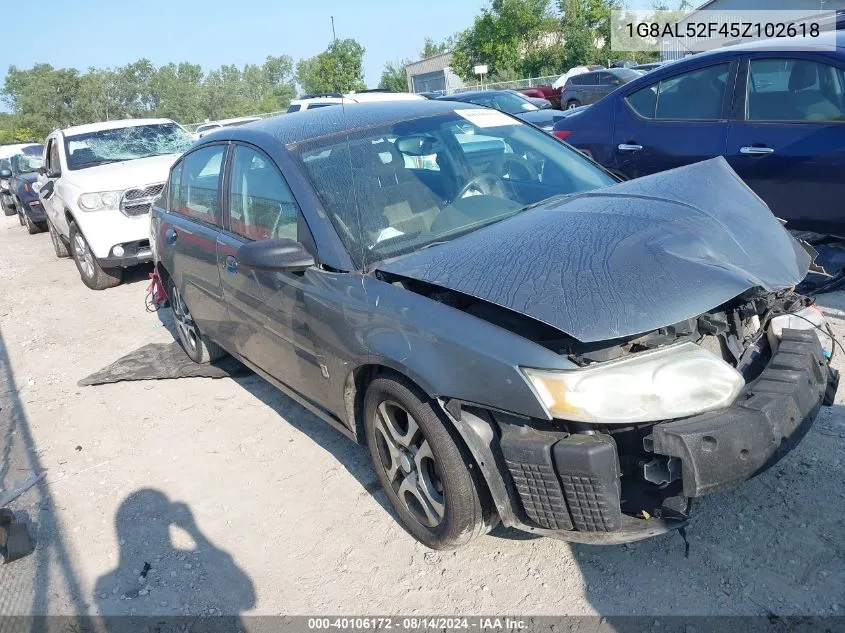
(409, 463)
(83, 255)
(183, 319)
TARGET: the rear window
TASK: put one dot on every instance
(294, 107)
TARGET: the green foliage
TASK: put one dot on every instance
(393, 77)
(42, 98)
(504, 36)
(340, 68)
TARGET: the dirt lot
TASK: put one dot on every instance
(241, 502)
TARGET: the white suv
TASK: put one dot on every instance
(98, 183)
(309, 102)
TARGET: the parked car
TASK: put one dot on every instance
(6, 153)
(97, 185)
(777, 116)
(515, 335)
(24, 187)
(588, 88)
(211, 126)
(511, 102)
(647, 68)
(309, 102)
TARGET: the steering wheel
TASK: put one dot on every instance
(516, 167)
(484, 185)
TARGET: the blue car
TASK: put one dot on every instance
(777, 116)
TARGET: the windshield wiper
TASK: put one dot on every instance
(104, 161)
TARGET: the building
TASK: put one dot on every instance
(673, 49)
(433, 75)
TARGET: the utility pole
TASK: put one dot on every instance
(334, 36)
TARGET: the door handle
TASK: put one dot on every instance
(756, 151)
(629, 147)
(231, 264)
(170, 236)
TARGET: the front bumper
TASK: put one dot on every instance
(136, 252)
(103, 230)
(722, 449)
(568, 484)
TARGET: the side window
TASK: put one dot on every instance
(198, 192)
(698, 95)
(174, 187)
(603, 79)
(260, 204)
(794, 90)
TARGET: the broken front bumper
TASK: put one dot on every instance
(570, 485)
(722, 449)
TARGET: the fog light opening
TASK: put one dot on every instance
(118, 251)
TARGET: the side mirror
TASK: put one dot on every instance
(42, 170)
(545, 105)
(282, 255)
(47, 189)
(5, 174)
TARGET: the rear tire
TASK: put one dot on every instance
(93, 275)
(59, 245)
(197, 346)
(7, 210)
(423, 466)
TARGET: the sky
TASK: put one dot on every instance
(107, 33)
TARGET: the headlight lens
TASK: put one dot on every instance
(98, 201)
(671, 382)
(36, 186)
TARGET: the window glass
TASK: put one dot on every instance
(174, 187)
(125, 143)
(294, 107)
(260, 204)
(198, 195)
(603, 79)
(696, 95)
(794, 90)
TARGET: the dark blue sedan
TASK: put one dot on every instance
(777, 116)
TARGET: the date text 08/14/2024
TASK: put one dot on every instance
(417, 623)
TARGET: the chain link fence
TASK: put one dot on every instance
(508, 85)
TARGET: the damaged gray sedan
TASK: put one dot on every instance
(515, 335)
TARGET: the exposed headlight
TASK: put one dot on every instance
(36, 186)
(99, 201)
(672, 382)
(548, 128)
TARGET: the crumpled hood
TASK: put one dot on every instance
(122, 175)
(625, 259)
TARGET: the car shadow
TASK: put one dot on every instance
(136, 274)
(167, 566)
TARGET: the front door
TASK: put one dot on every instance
(788, 142)
(268, 308)
(50, 172)
(679, 120)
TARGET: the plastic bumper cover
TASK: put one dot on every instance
(137, 252)
(722, 449)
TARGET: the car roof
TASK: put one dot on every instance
(471, 94)
(7, 151)
(110, 125)
(297, 127)
(787, 45)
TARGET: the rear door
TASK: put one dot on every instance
(188, 233)
(675, 121)
(788, 137)
(269, 309)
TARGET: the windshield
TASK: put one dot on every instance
(504, 101)
(421, 181)
(125, 143)
(25, 163)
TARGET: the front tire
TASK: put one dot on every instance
(197, 346)
(93, 275)
(7, 210)
(423, 466)
(572, 104)
(20, 218)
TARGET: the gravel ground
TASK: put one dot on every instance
(201, 496)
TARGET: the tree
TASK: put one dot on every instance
(504, 36)
(340, 68)
(431, 48)
(393, 77)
